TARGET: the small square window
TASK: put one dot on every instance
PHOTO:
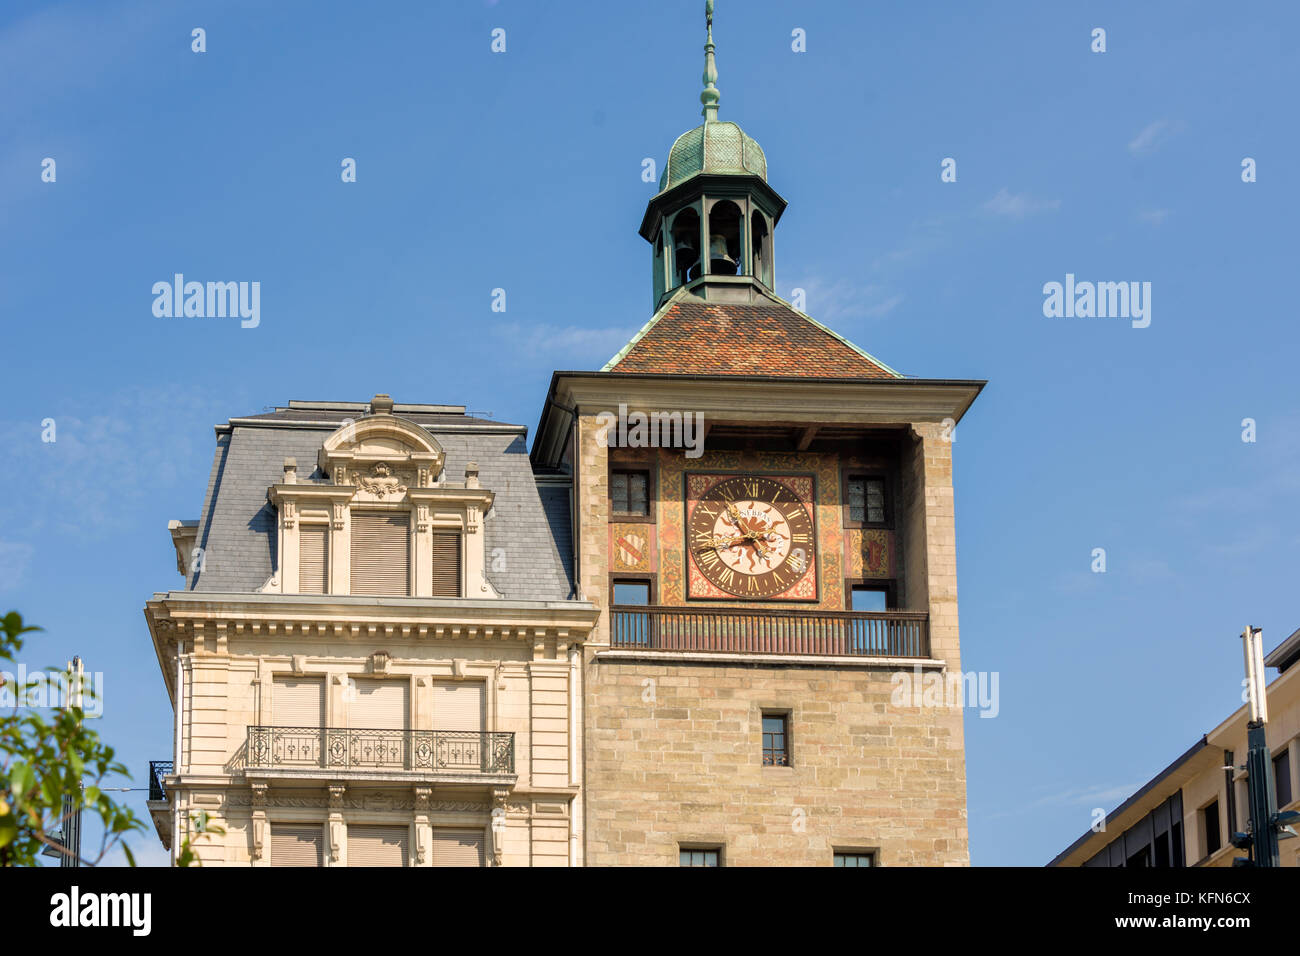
(854, 858)
(776, 740)
(629, 492)
(866, 500)
(700, 856)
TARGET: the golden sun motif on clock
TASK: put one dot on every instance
(751, 537)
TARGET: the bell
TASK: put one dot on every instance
(684, 251)
(720, 261)
(686, 257)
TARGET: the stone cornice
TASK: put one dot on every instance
(739, 398)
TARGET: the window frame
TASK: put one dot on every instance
(633, 468)
(867, 474)
(787, 749)
(1282, 753)
(888, 585)
(719, 848)
(632, 577)
(1218, 828)
(871, 853)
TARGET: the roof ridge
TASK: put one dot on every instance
(683, 296)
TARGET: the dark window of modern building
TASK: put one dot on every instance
(1155, 840)
(776, 741)
(854, 858)
(1282, 774)
(1210, 826)
(630, 492)
(865, 500)
(700, 856)
(1162, 850)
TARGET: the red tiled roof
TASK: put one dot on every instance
(709, 338)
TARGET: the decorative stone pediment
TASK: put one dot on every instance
(382, 455)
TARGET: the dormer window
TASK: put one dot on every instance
(386, 522)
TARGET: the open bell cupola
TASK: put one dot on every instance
(710, 226)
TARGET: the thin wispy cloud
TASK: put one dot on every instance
(1018, 205)
(104, 460)
(575, 342)
(1105, 796)
(15, 556)
(844, 300)
(1153, 136)
(1154, 217)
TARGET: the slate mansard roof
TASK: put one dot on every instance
(237, 527)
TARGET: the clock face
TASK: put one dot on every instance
(751, 537)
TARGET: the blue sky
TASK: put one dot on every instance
(522, 171)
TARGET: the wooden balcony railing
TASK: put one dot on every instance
(770, 631)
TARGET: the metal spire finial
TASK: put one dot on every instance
(710, 95)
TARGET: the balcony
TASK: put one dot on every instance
(439, 754)
(159, 802)
(866, 634)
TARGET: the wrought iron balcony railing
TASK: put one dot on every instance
(157, 770)
(770, 631)
(339, 748)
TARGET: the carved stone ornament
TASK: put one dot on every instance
(383, 482)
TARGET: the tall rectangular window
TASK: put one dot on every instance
(866, 500)
(1210, 826)
(298, 702)
(313, 559)
(629, 492)
(630, 628)
(854, 858)
(381, 552)
(446, 564)
(1282, 777)
(776, 741)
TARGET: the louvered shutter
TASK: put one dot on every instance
(379, 704)
(446, 564)
(298, 702)
(381, 552)
(457, 847)
(377, 846)
(457, 706)
(313, 559)
(296, 845)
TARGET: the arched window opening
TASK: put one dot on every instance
(660, 268)
(725, 249)
(686, 242)
(762, 249)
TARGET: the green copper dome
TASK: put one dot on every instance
(714, 147)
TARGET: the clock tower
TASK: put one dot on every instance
(769, 533)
